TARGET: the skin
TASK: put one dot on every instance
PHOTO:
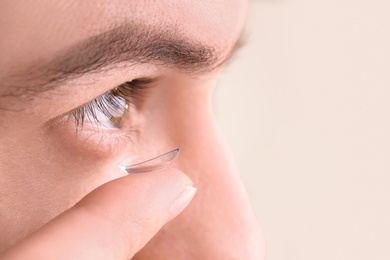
(46, 166)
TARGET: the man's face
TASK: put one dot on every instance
(146, 71)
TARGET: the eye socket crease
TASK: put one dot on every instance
(128, 44)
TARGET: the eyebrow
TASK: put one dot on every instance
(127, 44)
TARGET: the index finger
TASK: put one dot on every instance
(112, 222)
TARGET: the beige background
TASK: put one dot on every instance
(306, 110)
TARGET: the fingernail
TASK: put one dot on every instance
(182, 202)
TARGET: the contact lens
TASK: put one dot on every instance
(149, 162)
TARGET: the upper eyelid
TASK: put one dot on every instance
(127, 90)
(136, 83)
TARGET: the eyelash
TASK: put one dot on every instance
(108, 103)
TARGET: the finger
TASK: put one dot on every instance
(112, 222)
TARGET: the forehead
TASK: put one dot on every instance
(38, 29)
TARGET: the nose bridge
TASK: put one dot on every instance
(186, 119)
(221, 198)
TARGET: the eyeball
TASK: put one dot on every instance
(110, 112)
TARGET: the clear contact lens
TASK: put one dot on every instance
(149, 162)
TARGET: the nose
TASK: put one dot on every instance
(222, 209)
(219, 223)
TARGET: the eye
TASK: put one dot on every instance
(107, 111)
(110, 110)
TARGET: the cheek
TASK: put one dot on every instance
(40, 158)
(40, 179)
(84, 163)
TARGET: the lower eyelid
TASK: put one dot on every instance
(91, 141)
(107, 143)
